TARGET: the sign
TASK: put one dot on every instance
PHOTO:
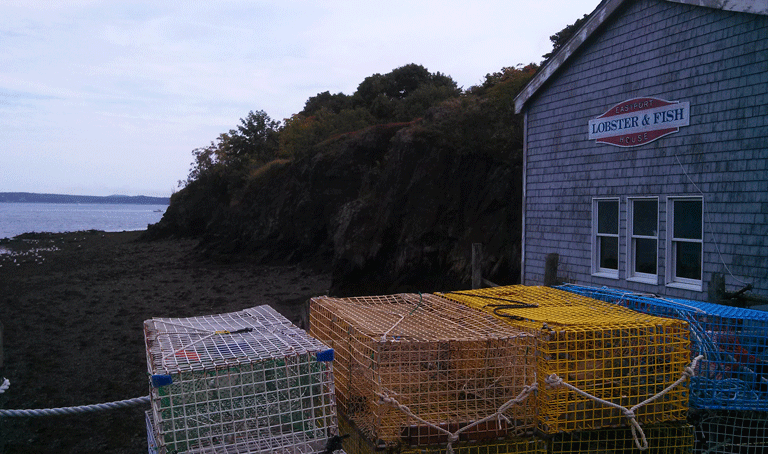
(639, 121)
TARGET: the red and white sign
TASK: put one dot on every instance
(639, 121)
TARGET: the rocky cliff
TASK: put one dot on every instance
(390, 208)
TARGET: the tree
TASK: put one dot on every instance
(510, 75)
(325, 100)
(384, 95)
(560, 38)
(255, 141)
(301, 133)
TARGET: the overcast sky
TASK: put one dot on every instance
(111, 97)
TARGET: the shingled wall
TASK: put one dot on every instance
(718, 62)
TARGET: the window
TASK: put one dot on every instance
(605, 244)
(685, 242)
(643, 232)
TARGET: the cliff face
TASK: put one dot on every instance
(391, 208)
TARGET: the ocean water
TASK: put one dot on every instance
(18, 218)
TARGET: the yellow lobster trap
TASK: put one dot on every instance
(666, 438)
(595, 361)
(420, 370)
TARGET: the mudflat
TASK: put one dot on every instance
(73, 306)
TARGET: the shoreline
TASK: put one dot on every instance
(73, 306)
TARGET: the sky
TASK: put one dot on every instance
(111, 97)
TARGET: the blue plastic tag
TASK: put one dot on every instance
(325, 356)
(161, 380)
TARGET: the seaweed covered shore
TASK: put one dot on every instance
(73, 305)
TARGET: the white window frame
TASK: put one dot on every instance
(632, 274)
(596, 269)
(671, 257)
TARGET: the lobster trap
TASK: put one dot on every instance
(411, 367)
(614, 356)
(662, 439)
(355, 442)
(730, 432)
(246, 381)
(733, 374)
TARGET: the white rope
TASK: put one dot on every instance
(184, 347)
(454, 436)
(642, 444)
(6, 384)
(76, 410)
(384, 336)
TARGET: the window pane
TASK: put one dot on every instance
(609, 253)
(688, 264)
(644, 217)
(608, 217)
(687, 219)
(645, 256)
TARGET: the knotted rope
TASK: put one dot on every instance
(454, 436)
(642, 443)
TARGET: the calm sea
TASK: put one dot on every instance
(18, 218)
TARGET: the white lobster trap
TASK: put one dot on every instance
(247, 381)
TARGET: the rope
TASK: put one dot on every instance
(642, 444)
(75, 410)
(454, 436)
(214, 333)
(384, 336)
(497, 308)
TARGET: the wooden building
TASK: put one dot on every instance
(646, 151)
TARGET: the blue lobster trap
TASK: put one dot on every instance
(733, 375)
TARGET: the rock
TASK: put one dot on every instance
(390, 208)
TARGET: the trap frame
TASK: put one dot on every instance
(151, 441)
(355, 442)
(728, 432)
(246, 381)
(733, 375)
(617, 356)
(412, 368)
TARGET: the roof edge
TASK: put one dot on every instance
(595, 20)
(603, 11)
(739, 6)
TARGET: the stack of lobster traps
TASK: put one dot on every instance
(609, 379)
(729, 392)
(421, 373)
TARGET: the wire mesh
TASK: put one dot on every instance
(264, 446)
(613, 353)
(246, 381)
(449, 365)
(734, 341)
(729, 432)
(662, 439)
(356, 443)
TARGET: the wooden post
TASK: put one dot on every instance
(550, 269)
(716, 288)
(477, 267)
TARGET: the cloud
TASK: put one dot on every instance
(117, 94)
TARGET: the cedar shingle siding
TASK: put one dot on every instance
(714, 59)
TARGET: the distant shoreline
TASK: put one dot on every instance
(30, 197)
